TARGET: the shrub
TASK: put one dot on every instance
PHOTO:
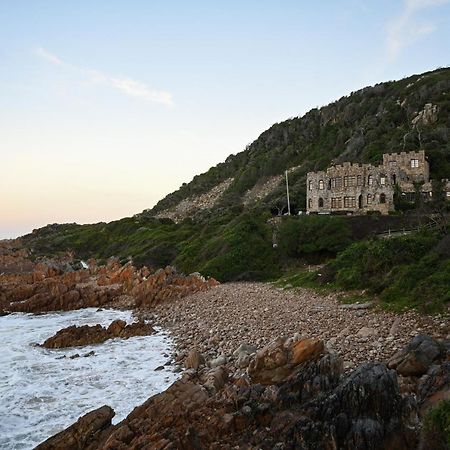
(309, 235)
(436, 430)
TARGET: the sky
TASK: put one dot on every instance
(106, 106)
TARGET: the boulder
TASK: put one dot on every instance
(278, 360)
(194, 360)
(416, 358)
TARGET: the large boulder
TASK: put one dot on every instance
(417, 357)
(275, 362)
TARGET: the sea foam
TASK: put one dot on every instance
(42, 392)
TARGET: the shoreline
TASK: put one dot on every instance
(217, 321)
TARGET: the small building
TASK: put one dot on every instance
(359, 188)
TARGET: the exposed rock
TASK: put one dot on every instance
(82, 433)
(434, 386)
(219, 361)
(416, 358)
(74, 336)
(281, 358)
(366, 305)
(244, 350)
(367, 332)
(194, 360)
(189, 206)
(312, 409)
(427, 116)
(53, 285)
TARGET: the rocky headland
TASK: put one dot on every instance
(58, 284)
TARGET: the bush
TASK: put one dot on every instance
(436, 430)
(237, 250)
(313, 235)
(405, 271)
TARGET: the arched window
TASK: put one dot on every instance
(369, 199)
(310, 203)
(321, 184)
(369, 180)
(320, 202)
(382, 198)
(311, 184)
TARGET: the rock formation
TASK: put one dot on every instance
(53, 285)
(86, 429)
(74, 336)
(310, 406)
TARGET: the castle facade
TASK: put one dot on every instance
(360, 188)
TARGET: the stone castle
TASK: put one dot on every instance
(359, 188)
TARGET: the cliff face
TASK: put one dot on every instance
(409, 114)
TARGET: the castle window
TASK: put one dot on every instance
(393, 163)
(338, 182)
(345, 181)
(321, 186)
(359, 180)
(382, 198)
(369, 199)
(310, 203)
(333, 183)
(329, 184)
(320, 202)
(349, 202)
(311, 185)
(370, 180)
(382, 180)
(336, 202)
(414, 163)
(352, 181)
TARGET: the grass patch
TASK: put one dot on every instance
(436, 428)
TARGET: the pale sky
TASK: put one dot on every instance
(107, 106)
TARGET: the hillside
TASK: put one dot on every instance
(409, 114)
(221, 224)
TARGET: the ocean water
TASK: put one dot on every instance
(41, 392)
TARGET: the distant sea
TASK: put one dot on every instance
(43, 391)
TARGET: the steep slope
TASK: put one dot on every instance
(408, 114)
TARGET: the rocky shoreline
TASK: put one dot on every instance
(218, 321)
(264, 367)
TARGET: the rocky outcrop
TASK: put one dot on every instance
(281, 358)
(416, 358)
(87, 429)
(312, 407)
(53, 285)
(188, 207)
(424, 370)
(427, 116)
(166, 284)
(74, 336)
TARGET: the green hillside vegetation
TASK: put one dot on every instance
(226, 247)
(359, 127)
